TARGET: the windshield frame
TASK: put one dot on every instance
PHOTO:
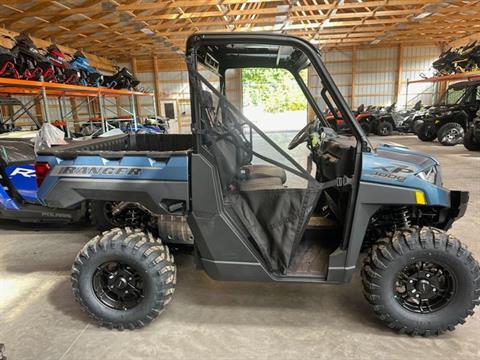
(444, 98)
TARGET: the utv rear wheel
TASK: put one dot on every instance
(470, 142)
(451, 134)
(426, 132)
(421, 281)
(384, 128)
(124, 278)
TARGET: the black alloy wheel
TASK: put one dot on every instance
(118, 285)
(424, 287)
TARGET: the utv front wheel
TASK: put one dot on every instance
(451, 134)
(124, 278)
(384, 128)
(421, 281)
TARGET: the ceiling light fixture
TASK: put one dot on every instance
(422, 15)
(147, 31)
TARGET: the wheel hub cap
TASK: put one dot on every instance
(118, 285)
(424, 287)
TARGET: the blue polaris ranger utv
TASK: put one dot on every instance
(256, 214)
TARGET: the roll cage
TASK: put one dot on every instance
(223, 51)
(220, 52)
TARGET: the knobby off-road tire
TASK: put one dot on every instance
(124, 260)
(384, 128)
(386, 263)
(426, 132)
(470, 142)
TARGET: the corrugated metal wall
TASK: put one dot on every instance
(416, 63)
(379, 75)
(339, 64)
(376, 76)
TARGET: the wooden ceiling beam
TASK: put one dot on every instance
(140, 5)
(22, 14)
(115, 29)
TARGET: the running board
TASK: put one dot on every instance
(42, 214)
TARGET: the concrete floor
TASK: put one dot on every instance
(40, 320)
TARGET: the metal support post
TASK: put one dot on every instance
(119, 107)
(102, 113)
(45, 104)
(132, 97)
(154, 97)
(64, 118)
(406, 94)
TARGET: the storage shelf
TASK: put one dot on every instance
(43, 91)
(460, 76)
(28, 87)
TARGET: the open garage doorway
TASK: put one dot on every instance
(273, 99)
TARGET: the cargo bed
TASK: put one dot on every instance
(151, 169)
(124, 144)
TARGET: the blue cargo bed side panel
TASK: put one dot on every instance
(86, 177)
(174, 168)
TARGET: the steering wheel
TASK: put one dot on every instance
(303, 134)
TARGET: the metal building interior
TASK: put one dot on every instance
(379, 53)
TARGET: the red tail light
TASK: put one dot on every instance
(41, 170)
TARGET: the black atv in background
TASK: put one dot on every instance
(391, 119)
(450, 118)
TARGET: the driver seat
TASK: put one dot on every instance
(259, 171)
(251, 176)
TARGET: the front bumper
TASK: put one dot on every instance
(458, 206)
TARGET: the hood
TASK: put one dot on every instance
(439, 109)
(393, 164)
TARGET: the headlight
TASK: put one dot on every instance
(429, 175)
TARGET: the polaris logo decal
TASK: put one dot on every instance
(97, 170)
(28, 173)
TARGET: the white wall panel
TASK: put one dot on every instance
(375, 78)
(417, 62)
